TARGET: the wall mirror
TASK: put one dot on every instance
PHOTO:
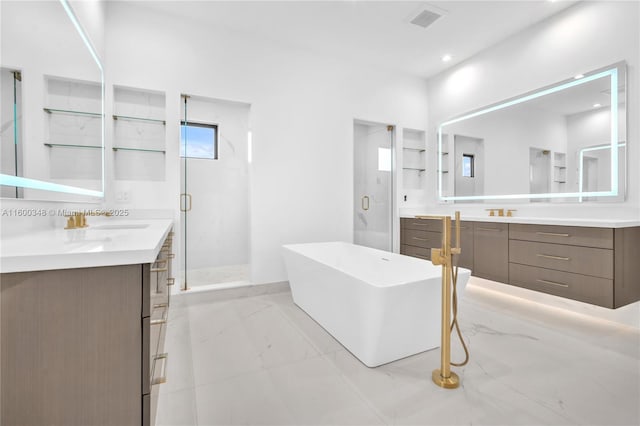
(564, 142)
(52, 105)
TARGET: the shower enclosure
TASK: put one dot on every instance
(10, 129)
(373, 184)
(214, 199)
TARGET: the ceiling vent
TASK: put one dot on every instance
(425, 18)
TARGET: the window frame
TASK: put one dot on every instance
(472, 171)
(206, 126)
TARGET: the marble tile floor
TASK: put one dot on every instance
(259, 359)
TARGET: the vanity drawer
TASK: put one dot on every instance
(155, 361)
(421, 224)
(594, 290)
(160, 288)
(161, 280)
(582, 260)
(425, 239)
(422, 253)
(571, 235)
(490, 228)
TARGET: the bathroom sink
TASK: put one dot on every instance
(122, 226)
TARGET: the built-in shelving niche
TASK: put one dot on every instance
(138, 134)
(446, 162)
(414, 160)
(73, 130)
(559, 170)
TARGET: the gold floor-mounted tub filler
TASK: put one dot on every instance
(443, 376)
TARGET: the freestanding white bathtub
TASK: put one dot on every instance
(381, 306)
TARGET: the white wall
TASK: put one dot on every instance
(584, 37)
(302, 111)
(90, 14)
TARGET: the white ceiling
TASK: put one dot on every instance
(375, 33)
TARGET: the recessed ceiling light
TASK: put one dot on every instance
(579, 76)
(596, 105)
(446, 58)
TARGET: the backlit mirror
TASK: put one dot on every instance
(564, 142)
(51, 104)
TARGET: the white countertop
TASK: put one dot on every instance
(105, 242)
(588, 222)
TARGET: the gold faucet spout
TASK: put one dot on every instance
(78, 219)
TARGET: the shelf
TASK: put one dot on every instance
(121, 148)
(444, 153)
(65, 145)
(415, 149)
(443, 171)
(413, 168)
(560, 181)
(131, 118)
(71, 112)
(561, 167)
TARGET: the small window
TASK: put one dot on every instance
(384, 159)
(467, 165)
(198, 140)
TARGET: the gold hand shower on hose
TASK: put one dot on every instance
(443, 376)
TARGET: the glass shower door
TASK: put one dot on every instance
(198, 150)
(186, 201)
(214, 193)
(373, 185)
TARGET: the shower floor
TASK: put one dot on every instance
(219, 275)
(246, 356)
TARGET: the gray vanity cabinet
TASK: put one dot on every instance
(491, 251)
(567, 261)
(71, 345)
(83, 346)
(594, 265)
(626, 266)
(419, 236)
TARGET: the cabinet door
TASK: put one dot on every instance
(71, 345)
(627, 266)
(491, 251)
